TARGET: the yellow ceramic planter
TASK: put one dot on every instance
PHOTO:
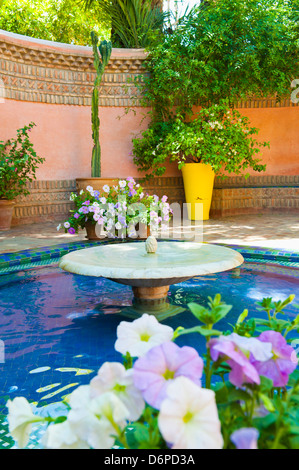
(198, 184)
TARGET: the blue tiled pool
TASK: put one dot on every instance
(58, 327)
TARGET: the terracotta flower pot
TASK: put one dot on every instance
(6, 211)
(91, 231)
(95, 183)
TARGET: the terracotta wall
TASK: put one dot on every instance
(51, 84)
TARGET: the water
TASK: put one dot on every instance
(58, 328)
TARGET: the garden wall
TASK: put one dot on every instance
(51, 84)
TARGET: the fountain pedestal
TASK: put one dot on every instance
(152, 300)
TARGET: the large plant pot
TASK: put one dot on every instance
(95, 183)
(198, 184)
(6, 210)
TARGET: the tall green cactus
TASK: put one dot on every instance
(105, 49)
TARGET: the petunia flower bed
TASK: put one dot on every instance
(242, 394)
(119, 209)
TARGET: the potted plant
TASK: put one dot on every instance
(217, 140)
(100, 62)
(123, 210)
(18, 165)
(220, 50)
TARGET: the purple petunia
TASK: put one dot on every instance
(245, 438)
(122, 219)
(71, 230)
(76, 215)
(281, 364)
(84, 210)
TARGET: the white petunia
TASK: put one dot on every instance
(62, 436)
(90, 190)
(58, 227)
(141, 335)
(113, 376)
(95, 422)
(66, 224)
(94, 419)
(20, 419)
(106, 188)
(122, 183)
(188, 417)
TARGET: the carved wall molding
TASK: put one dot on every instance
(49, 72)
(62, 74)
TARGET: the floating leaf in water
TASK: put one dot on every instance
(75, 369)
(47, 387)
(39, 369)
(50, 395)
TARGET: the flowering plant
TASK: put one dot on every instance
(242, 394)
(219, 136)
(18, 164)
(118, 209)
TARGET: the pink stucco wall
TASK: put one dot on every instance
(63, 137)
(279, 126)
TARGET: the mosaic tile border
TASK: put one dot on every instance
(46, 255)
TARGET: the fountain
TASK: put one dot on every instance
(150, 268)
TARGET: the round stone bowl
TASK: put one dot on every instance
(151, 274)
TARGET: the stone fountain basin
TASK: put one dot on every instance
(129, 263)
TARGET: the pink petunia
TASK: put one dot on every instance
(236, 351)
(157, 369)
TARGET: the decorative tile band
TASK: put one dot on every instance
(48, 200)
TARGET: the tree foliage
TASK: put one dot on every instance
(134, 23)
(54, 20)
(224, 49)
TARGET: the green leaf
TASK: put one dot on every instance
(266, 384)
(198, 311)
(141, 432)
(221, 393)
(267, 402)
(242, 317)
(266, 421)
